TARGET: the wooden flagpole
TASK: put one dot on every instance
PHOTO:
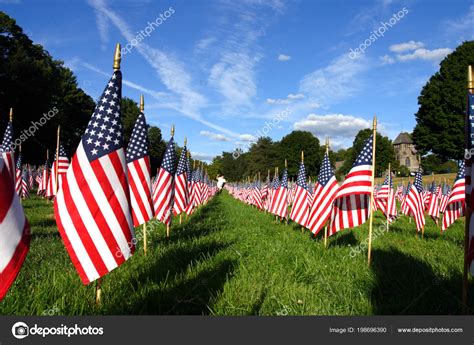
(389, 191)
(57, 162)
(117, 60)
(374, 134)
(465, 285)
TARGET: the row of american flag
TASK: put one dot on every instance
(100, 195)
(348, 205)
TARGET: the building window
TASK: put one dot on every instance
(407, 161)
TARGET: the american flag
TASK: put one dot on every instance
(14, 231)
(469, 181)
(281, 198)
(443, 200)
(274, 192)
(415, 203)
(192, 191)
(386, 200)
(163, 194)
(257, 194)
(324, 194)
(18, 172)
(181, 192)
(92, 208)
(44, 178)
(25, 190)
(352, 202)
(300, 209)
(6, 150)
(61, 167)
(139, 172)
(433, 205)
(456, 202)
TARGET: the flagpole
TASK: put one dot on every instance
(465, 285)
(142, 110)
(389, 191)
(286, 168)
(57, 162)
(374, 134)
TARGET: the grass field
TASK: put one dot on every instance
(441, 178)
(230, 259)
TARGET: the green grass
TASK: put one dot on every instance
(230, 259)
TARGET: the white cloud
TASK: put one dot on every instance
(337, 81)
(203, 44)
(283, 57)
(402, 47)
(202, 156)
(425, 54)
(277, 101)
(387, 60)
(295, 96)
(340, 128)
(214, 136)
(461, 28)
(247, 138)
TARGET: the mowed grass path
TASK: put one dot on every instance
(231, 259)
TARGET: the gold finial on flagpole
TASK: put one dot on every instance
(286, 164)
(185, 141)
(470, 81)
(20, 148)
(172, 130)
(11, 114)
(117, 57)
(302, 156)
(327, 146)
(142, 104)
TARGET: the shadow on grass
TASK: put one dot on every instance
(188, 297)
(343, 239)
(406, 285)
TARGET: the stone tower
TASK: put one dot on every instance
(405, 152)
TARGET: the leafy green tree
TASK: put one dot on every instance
(442, 105)
(262, 155)
(290, 148)
(130, 111)
(384, 153)
(157, 148)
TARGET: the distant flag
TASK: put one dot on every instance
(163, 194)
(192, 183)
(25, 190)
(139, 172)
(61, 166)
(18, 174)
(415, 203)
(433, 205)
(352, 202)
(456, 202)
(443, 199)
(92, 208)
(14, 231)
(281, 199)
(386, 200)
(274, 191)
(300, 209)
(44, 176)
(6, 149)
(324, 194)
(257, 194)
(181, 192)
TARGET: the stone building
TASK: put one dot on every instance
(405, 152)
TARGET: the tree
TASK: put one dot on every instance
(290, 148)
(262, 155)
(442, 105)
(130, 111)
(384, 152)
(157, 148)
(34, 84)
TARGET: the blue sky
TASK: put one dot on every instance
(225, 72)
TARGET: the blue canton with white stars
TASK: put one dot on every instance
(301, 180)
(284, 179)
(182, 166)
(62, 152)
(418, 181)
(276, 182)
(138, 145)
(433, 187)
(169, 160)
(326, 171)
(7, 139)
(104, 133)
(18, 162)
(188, 169)
(365, 156)
(462, 171)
